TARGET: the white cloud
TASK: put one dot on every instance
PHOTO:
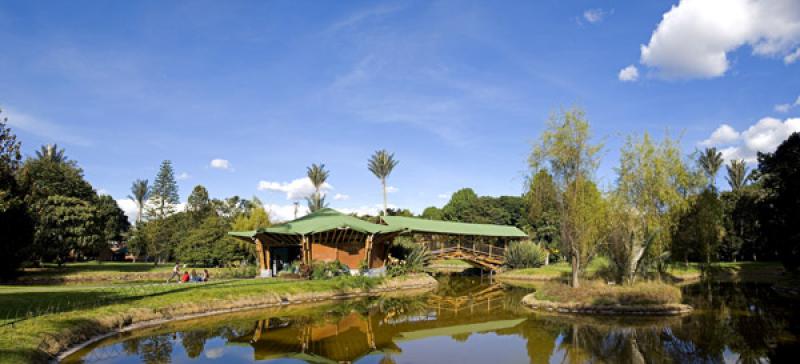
(282, 213)
(792, 57)
(223, 164)
(391, 189)
(628, 74)
(764, 136)
(365, 210)
(694, 37)
(786, 107)
(295, 190)
(129, 207)
(595, 15)
(183, 176)
(724, 135)
(443, 196)
(42, 128)
(341, 197)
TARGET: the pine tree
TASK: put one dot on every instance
(164, 192)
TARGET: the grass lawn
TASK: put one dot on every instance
(552, 271)
(455, 263)
(87, 310)
(730, 271)
(89, 272)
(599, 293)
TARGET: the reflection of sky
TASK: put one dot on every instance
(478, 348)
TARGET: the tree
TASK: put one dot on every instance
(207, 245)
(737, 174)
(110, 219)
(254, 218)
(627, 241)
(318, 176)
(542, 198)
(565, 150)
(140, 193)
(700, 229)
(52, 153)
(65, 224)
(381, 165)
(164, 193)
(463, 207)
(432, 213)
(198, 204)
(711, 161)
(16, 224)
(652, 181)
(780, 177)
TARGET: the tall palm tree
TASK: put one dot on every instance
(737, 174)
(140, 193)
(52, 153)
(318, 175)
(711, 161)
(381, 165)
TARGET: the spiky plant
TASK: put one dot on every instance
(52, 153)
(381, 165)
(318, 176)
(737, 174)
(140, 193)
(711, 161)
(417, 259)
(524, 254)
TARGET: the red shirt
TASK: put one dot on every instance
(185, 277)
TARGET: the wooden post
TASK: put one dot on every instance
(260, 254)
(368, 250)
(490, 250)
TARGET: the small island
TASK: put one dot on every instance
(597, 298)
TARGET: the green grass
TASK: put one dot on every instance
(93, 272)
(455, 263)
(740, 271)
(599, 293)
(555, 270)
(84, 308)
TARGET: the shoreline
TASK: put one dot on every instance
(672, 309)
(70, 341)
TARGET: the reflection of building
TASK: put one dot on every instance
(349, 337)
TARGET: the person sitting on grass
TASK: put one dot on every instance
(205, 276)
(176, 273)
(185, 277)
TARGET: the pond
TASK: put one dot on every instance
(469, 320)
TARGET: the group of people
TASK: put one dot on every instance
(188, 277)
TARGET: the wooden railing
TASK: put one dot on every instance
(483, 249)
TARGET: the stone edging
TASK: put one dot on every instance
(246, 306)
(578, 308)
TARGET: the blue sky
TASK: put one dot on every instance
(457, 90)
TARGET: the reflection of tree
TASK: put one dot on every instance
(156, 349)
(462, 338)
(131, 346)
(194, 342)
(540, 338)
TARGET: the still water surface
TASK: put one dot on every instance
(469, 320)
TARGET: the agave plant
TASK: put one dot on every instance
(524, 254)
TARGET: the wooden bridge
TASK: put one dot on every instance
(482, 255)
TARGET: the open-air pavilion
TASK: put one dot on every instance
(328, 235)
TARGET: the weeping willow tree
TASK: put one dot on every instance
(566, 152)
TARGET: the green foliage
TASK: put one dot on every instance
(65, 224)
(628, 243)
(198, 205)
(207, 245)
(318, 176)
(381, 164)
(780, 177)
(110, 219)
(466, 206)
(433, 213)
(524, 254)
(164, 193)
(738, 176)
(744, 237)
(710, 161)
(327, 270)
(566, 151)
(700, 229)
(16, 224)
(417, 258)
(140, 193)
(543, 210)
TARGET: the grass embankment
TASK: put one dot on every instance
(729, 271)
(112, 272)
(448, 265)
(550, 271)
(597, 297)
(47, 320)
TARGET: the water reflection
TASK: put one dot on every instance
(469, 321)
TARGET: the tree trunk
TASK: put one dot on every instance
(385, 204)
(575, 266)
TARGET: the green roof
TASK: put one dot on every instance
(415, 224)
(319, 221)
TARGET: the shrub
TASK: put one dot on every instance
(524, 254)
(325, 270)
(416, 261)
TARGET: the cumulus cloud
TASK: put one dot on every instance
(282, 213)
(341, 197)
(764, 136)
(391, 189)
(218, 163)
(628, 74)
(295, 190)
(788, 106)
(694, 37)
(374, 210)
(595, 15)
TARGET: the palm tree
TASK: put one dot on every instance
(711, 161)
(381, 165)
(52, 153)
(737, 174)
(140, 194)
(318, 175)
